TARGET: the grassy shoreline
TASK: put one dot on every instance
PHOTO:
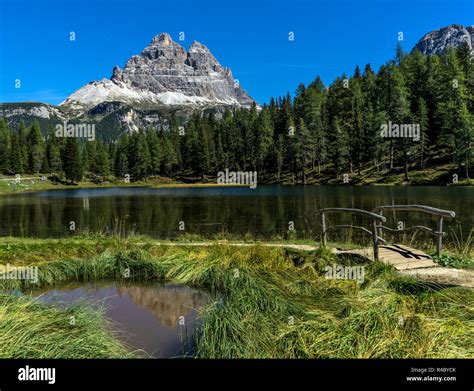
(278, 304)
(49, 185)
(24, 250)
(419, 178)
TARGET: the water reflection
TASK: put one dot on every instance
(263, 212)
(169, 304)
(159, 319)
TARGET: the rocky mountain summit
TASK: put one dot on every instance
(436, 42)
(164, 73)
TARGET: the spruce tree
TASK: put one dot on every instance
(23, 133)
(72, 164)
(35, 148)
(4, 147)
(304, 148)
(264, 136)
(121, 167)
(156, 155)
(15, 155)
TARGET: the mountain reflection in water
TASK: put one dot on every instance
(159, 319)
(167, 303)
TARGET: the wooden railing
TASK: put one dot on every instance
(376, 218)
(438, 233)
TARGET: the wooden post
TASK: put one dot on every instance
(375, 240)
(323, 227)
(439, 241)
(379, 230)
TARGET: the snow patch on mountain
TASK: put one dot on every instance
(106, 90)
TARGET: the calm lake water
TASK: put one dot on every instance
(263, 212)
(159, 319)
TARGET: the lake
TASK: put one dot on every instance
(263, 212)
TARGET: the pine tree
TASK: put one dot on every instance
(221, 156)
(434, 98)
(264, 136)
(400, 111)
(111, 154)
(356, 131)
(102, 160)
(121, 167)
(139, 156)
(279, 151)
(371, 140)
(169, 157)
(91, 163)
(304, 148)
(339, 152)
(55, 162)
(23, 133)
(156, 155)
(176, 139)
(15, 155)
(191, 145)
(203, 154)
(4, 147)
(312, 105)
(72, 164)
(463, 138)
(35, 148)
(338, 122)
(422, 120)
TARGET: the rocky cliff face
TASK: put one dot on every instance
(165, 74)
(436, 42)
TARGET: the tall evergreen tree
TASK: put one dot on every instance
(304, 148)
(72, 162)
(15, 155)
(35, 147)
(4, 147)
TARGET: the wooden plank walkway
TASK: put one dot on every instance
(443, 276)
(405, 258)
(401, 257)
(413, 262)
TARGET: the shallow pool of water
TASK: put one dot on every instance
(158, 318)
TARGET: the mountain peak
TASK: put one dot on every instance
(163, 39)
(436, 41)
(165, 74)
(198, 46)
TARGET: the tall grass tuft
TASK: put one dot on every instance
(30, 329)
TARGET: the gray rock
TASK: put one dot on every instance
(436, 42)
(164, 73)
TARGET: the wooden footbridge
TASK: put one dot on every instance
(404, 259)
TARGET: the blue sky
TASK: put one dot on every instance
(250, 37)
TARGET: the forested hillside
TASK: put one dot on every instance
(322, 132)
